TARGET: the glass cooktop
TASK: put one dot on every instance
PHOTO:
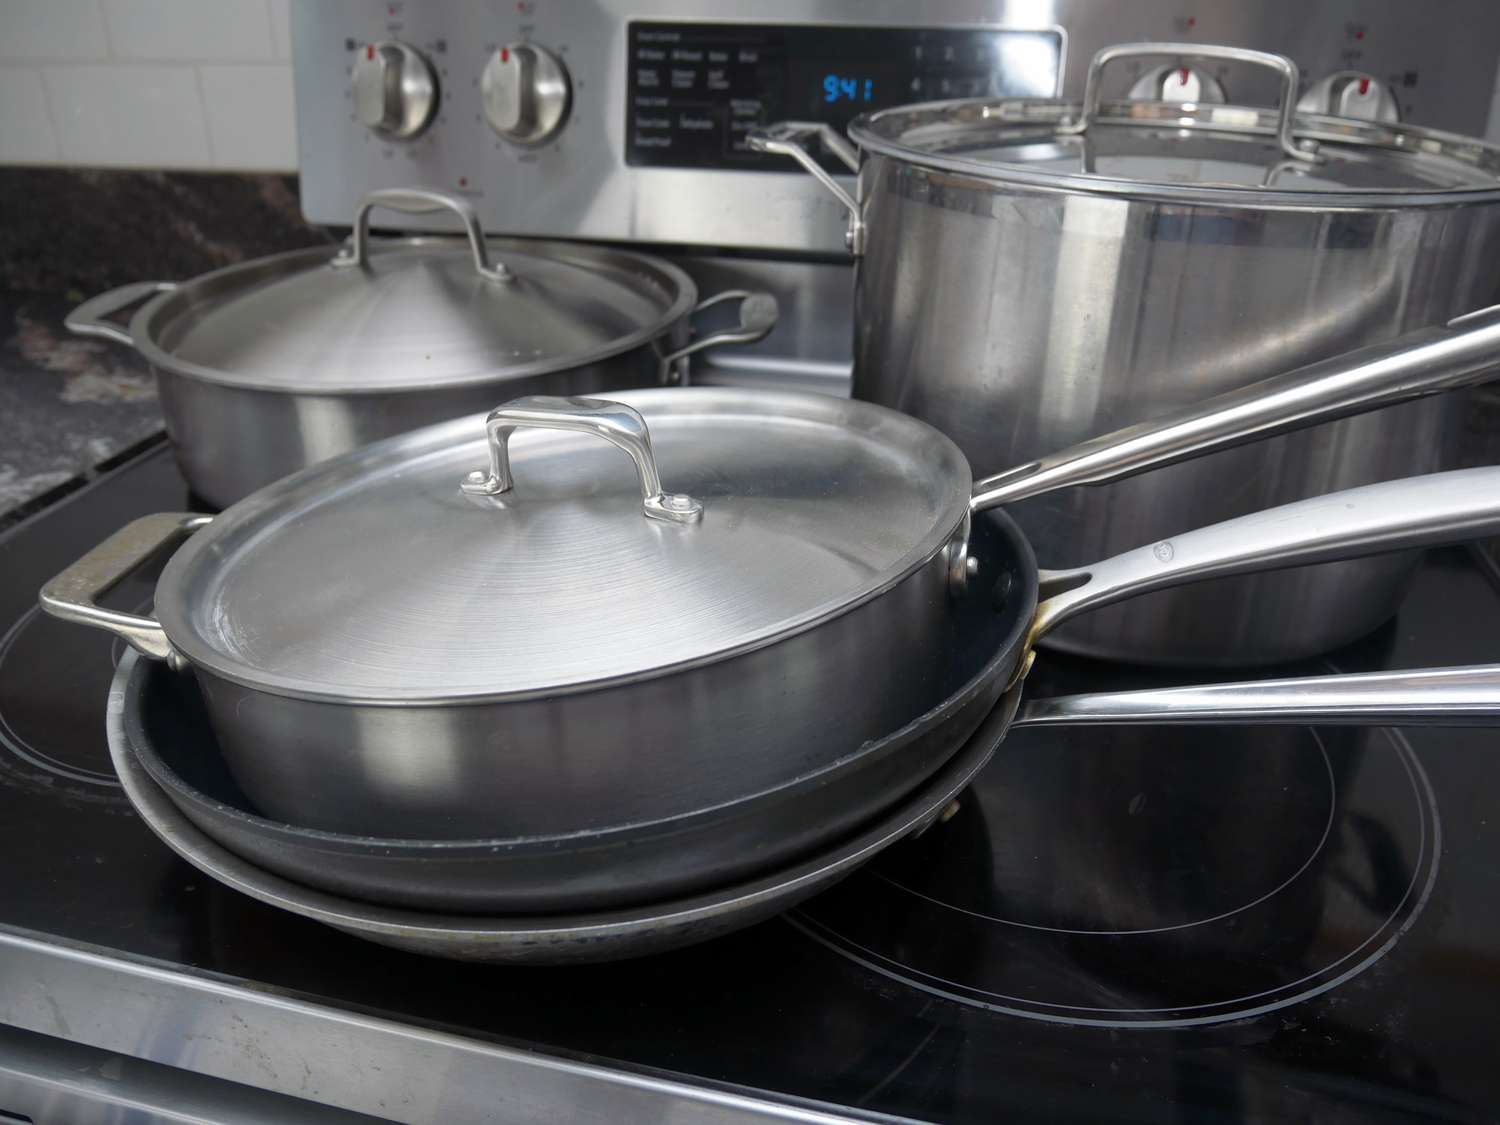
(1226, 923)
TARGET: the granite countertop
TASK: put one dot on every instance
(68, 402)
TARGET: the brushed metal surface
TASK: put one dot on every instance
(1021, 321)
(579, 185)
(376, 578)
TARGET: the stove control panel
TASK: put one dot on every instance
(694, 90)
(625, 120)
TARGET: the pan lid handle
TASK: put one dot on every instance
(419, 201)
(1283, 66)
(616, 423)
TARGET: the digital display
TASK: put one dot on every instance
(837, 87)
(694, 91)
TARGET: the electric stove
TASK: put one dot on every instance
(1223, 923)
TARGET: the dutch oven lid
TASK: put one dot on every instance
(414, 312)
(391, 574)
(1188, 151)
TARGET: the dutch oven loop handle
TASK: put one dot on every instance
(92, 317)
(73, 595)
(419, 201)
(1284, 67)
(620, 425)
(758, 315)
(790, 138)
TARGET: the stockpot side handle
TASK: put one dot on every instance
(620, 425)
(1285, 69)
(1464, 352)
(1415, 512)
(1453, 697)
(420, 201)
(790, 138)
(92, 317)
(758, 315)
(73, 595)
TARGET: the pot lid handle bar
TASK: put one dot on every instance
(758, 315)
(419, 201)
(1439, 697)
(790, 138)
(1461, 353)
(73, 595)
(616, 423)
(1283, 66)
(91, 317)
(1416, 512)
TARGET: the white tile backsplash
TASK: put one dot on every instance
(188, 30)
(281, 27)
(147, 83)
(48, 30)
(251, 123)
(113, 114)
(25, 128)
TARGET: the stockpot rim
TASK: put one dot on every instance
(874, 133)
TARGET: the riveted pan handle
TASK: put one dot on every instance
(758, 315)
(1461, 353)
(420, 201)
(1444, 697)
(790, 138)
(73, 595)
(1416, 512)
(1285, 69)
(92, 317)
(620, 425)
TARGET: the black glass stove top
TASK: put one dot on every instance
(1223, 923)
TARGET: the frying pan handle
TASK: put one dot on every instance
(73, 594)
(1461, 353)
(1452, 697)
(618, 424)
(1285, 69)
(420, 201)
(91, 317)
(1416, 512)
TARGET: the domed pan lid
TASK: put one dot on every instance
(524, 554)
(393, 314)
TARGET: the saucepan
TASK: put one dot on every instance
(402, 644)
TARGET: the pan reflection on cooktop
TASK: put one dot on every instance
(1150, 876)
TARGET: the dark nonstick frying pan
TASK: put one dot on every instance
(998, 622)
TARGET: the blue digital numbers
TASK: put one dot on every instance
(842, 88)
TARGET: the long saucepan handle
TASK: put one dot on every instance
(1454, 697)
(1461, 353)
(1419, 511)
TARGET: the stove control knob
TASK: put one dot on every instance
(1348, 93)
(526, 93)
(395, 90)
(1177, 84)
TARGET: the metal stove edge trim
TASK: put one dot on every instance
(366, 1063)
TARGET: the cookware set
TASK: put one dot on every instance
(583, 677)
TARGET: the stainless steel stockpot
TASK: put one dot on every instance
(271, 365)
(1031, 272)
